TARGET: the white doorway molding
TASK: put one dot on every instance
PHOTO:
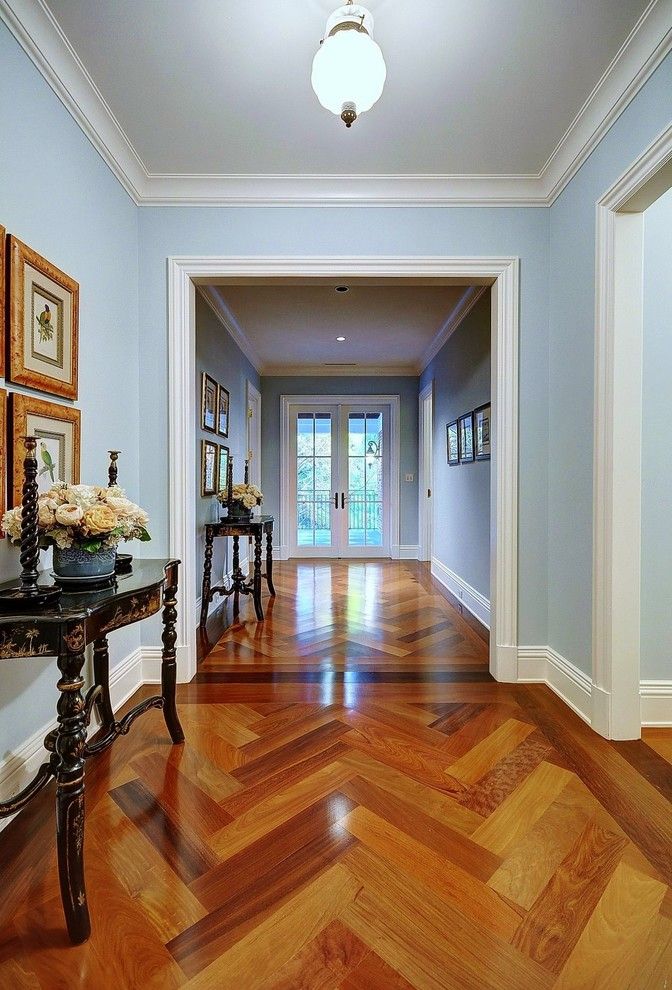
(253, 412)
(618, 440)
(425, 451)
(501, 272)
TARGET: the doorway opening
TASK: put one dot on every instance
(425, 460)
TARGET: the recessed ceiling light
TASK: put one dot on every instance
(340, 338)
(342, 288)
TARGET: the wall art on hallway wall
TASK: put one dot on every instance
(208, 403)
(482, 423)
(222, 411)
(3, 240)
(452, 443)
(223, 469)
(43, 323)
(57, 429)
(4, 452)
(208, 468)
(466, 437)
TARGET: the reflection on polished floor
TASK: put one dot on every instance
(358, 805)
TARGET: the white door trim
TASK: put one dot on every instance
(424, 476)
(252, 394)
(286, 494)
(504, 271)
(618, 441)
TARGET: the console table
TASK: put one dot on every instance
(256, 527)
(64, 631)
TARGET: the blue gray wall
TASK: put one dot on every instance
(405, 388)
(219, 355)
(461, 493)
(571, 330)
(60, 198)
(656, 635)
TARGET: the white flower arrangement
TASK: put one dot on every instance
(85, 516)
(247, 495)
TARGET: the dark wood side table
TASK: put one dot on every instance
(257, 527)
(65, 631)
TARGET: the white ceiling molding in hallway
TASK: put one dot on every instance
(231, 325)
(39, 34)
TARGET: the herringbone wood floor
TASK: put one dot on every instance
(357, 805)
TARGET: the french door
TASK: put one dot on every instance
(340, 480)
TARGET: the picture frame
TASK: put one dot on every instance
(43, 324)
(4, 453)
(482, 432)
(452, 443)
(58, 430)
(208, 468)
(223, 401)
(223, 467)
(208, 403)
(466, 437)
(3, 301)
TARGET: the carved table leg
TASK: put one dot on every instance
(69, 745)
(207, 575)
(256, 582)
(101, 673)
(269, 562)
(168, 662)
(236, 575)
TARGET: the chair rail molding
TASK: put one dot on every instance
(617, 440)
(38, 32)
(501, 272)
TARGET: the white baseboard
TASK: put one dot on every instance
(656, 703)
(542, 665)
(410, 552)
(19, 768)
(473, 600)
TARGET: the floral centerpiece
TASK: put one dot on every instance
(240, 499)
(84, 524)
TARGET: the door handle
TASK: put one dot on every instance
(335, 500)
(342, 500)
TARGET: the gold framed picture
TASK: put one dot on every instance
(223, 468)
(3, 239)
(222, 411)
(3, 452)
(208, 403)
(43, 323)
(208, 468)
(57, 429)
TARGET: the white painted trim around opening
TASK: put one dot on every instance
(617, 442)
(425, 472)
(504, 273)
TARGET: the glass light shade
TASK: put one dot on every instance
(349, 68)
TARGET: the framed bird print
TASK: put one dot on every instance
(466, 437)
(43, 323)
(208, 403)
(482, 432)
(452, 443)
(57, 429)
(3, 238)
(222, 411)
(208, 468)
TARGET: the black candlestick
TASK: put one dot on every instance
(229, 483)
(112, 471)
(246, 479)
(29, 594)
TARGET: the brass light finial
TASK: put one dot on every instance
(348, 114)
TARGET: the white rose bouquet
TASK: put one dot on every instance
(84, 516)
(246, 495)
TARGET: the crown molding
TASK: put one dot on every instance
(212, 297)
(462, 308)
(339, 371)
(36, 30)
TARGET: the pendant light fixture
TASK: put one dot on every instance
(349, 69)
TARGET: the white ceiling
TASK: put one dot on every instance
(223, 86)
(390, 327)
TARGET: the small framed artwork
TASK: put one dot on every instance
(57, 429)
(43, 323)
(223, 467)
(3, 239)
(482, 432)
(222, 411)
(208, 403)
(208, 468)
(466, 437)
(3, 452)
(452, 443)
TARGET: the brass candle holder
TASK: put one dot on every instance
(29, 594)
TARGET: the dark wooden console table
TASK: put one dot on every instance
(257, 527)
(65, 631)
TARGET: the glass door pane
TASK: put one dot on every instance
(314, 469)
(365, 479)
